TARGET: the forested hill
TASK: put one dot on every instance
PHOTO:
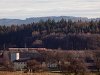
(62, 34)
(9, 22)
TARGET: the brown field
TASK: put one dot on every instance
(21, 73)
(43, 73)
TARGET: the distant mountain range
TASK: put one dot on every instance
(37, 19)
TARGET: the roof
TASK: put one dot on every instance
(22, 60)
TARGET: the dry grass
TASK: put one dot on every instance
(43, 73)
(20, 73)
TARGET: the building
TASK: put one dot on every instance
(52, 65)
(90, 63)
(20, 64)
(14, 56)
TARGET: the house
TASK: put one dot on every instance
(20, 64)
(17, 53)
(90, 63)
(51, 65)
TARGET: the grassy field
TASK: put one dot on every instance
(43, 73)
(21, 73)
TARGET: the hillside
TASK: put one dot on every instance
(8, 22)
(67, 35)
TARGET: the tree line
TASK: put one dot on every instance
(67, 62)
(51, 34)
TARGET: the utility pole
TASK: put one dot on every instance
(25, 45)
(4, 46)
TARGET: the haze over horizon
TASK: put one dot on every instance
(21, 9)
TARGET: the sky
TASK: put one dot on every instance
(21, 9)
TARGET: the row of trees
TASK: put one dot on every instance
(67, 62)
(50, 34)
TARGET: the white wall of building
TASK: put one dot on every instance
(14, 56)
(17, 56)
(19, 65)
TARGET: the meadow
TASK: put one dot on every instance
(42, 73)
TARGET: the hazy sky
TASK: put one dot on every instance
(32, 8)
